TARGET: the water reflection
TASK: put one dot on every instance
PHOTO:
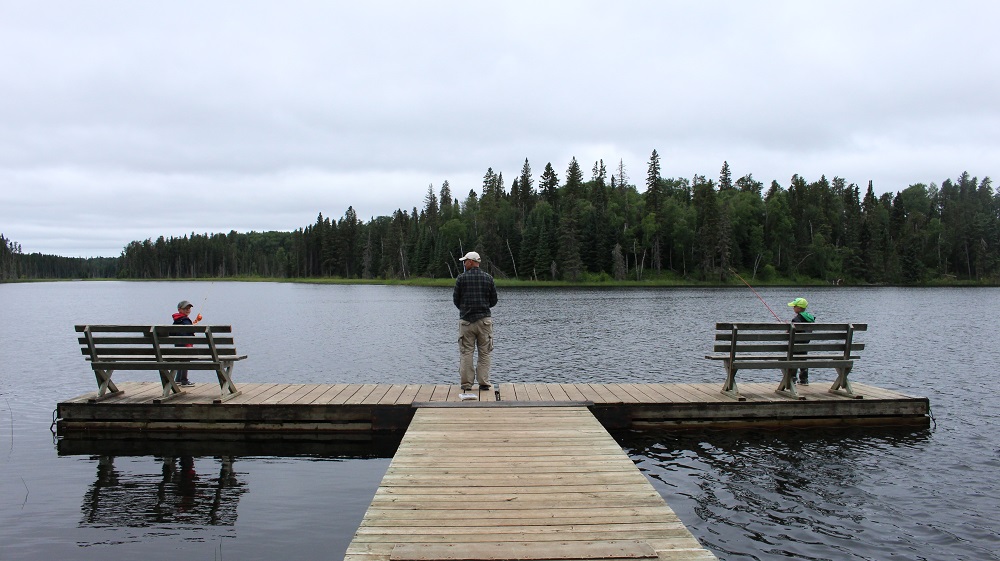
(804, 494)
(172, 481)
(179, 496)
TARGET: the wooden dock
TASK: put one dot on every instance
(516, 483)
(533, 476)
(271, 408)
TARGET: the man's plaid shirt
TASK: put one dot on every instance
(475, 293)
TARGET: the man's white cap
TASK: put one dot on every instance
(473, 256)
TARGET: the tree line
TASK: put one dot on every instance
(16, 265)
(604, 228)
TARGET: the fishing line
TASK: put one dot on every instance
(205, 299)
(758, 296)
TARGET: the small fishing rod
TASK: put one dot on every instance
(204, 300)
(733, 271)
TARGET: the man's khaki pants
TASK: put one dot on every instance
(472, 335)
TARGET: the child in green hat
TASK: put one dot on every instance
(799, 305)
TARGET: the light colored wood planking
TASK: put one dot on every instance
(330, 394)
(280, 395)
(408, 395)
(299, 393)
(548, 477)
(377, 395)
(347, 394)
(392, 395)
(363, 392)
(315, 390)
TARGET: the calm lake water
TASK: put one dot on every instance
(885, 493)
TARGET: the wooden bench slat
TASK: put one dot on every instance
(146, 341)
(166, 365)
(168, 351)
(750, 326)
(783, 348)
(159, 328)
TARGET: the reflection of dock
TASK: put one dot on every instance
(356, 409)
(181, 493)
(491, 483)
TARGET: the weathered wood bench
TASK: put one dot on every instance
(164, 348)
(787, 347)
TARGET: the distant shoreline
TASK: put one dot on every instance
(515, 283)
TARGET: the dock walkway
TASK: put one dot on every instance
(491, 483)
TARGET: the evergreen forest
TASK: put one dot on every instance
(601, 229)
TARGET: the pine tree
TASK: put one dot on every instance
(525, 199)
(549, 186)
(725, 178)
(574, 181)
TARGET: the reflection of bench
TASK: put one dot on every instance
(787, 347)
(165, 348)
(194, 491)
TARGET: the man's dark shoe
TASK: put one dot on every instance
(466, 388)
(485, 386)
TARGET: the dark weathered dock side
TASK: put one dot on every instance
(506, 483)
(372, 408)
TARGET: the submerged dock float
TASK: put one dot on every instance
(516, 483)
(273, 408)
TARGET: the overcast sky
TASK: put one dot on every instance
(129, 120)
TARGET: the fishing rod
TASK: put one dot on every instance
(204, 300)
(733, 271)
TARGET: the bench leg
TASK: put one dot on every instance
(841, 386)
(170, 387)
(787, 385)
(225, 374)
(105, 387)
(729, 388)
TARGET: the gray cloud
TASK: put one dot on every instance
(123, 121)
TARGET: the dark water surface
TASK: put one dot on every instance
(885, 493)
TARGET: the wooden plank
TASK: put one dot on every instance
(363, 392)
(377, 395)
(667, 393)
(618, 549)
(347, 394)
(332, 393)
(591, 394)
(251, 392)
(392, 394)
(552, 484)
(424, 393)
(573, 392)
(409, 394)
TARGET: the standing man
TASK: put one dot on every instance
(475, 293)
(181, 318)
(799, 306)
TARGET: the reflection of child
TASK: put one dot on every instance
(799, 305)
(187, 467)
(186, 487)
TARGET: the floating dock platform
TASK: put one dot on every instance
(353, 409)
